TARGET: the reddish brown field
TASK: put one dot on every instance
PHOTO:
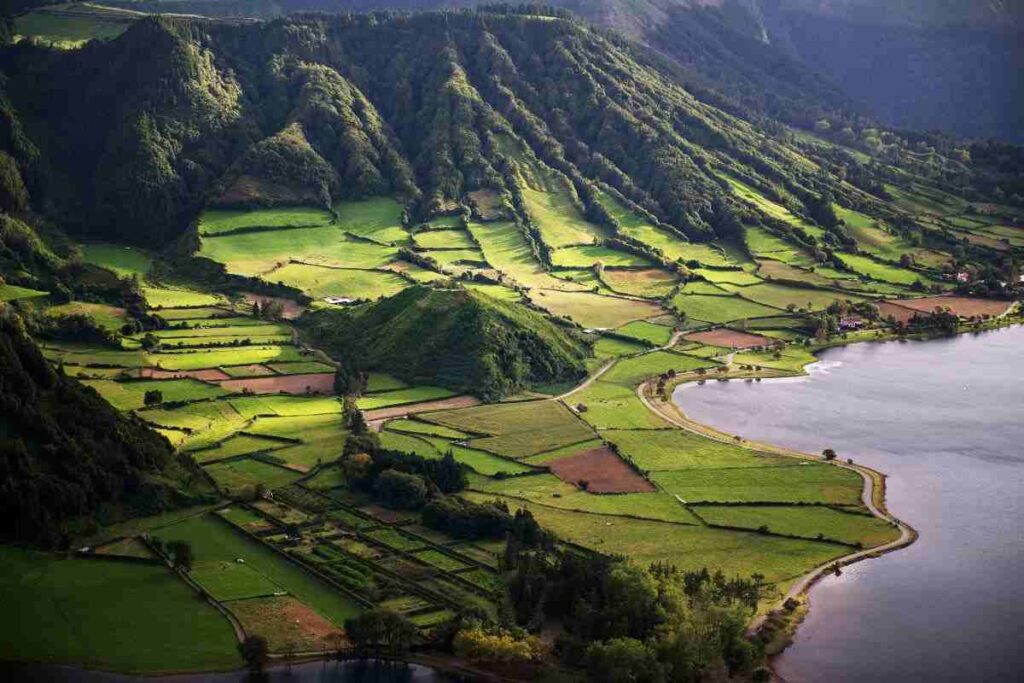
(730, 339)
(901, 314)
(963, 306)
(320, 383)
(284, 621)
(603, 471)
(289, 309)
(207, 375)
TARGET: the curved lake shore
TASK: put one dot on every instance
(943, 419)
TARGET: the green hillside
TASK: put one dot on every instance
(456, 338)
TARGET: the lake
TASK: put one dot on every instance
(945, 420)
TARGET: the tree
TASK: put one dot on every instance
(254, 651)
(378, 629)
(153, 397)
(621, 660)
(400, 490)
(181, 552)
(828, 454)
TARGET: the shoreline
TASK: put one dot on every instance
(872, 495)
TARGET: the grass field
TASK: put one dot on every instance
(732, 277)
(171, 297)
(769, 207)
(808, 483)
(672, 246)
(379, 218)
(761, 241)
(516, 429)
(688, 547)
(417, 427)
(880, 271)
(647, 282)
(122, 261)
(232, 581)
(318, 281)
(71, 25)
(399, 397)
(212, 539)
(130, 395)
(593, 310)
(632, 371)
(589, 255)
(781, 296)
(255, 253)
(702, 287)
(444, 239)
(805, 521)
(789, 358)
(719, 309)
(505, 249)
(557, 216)
(110, 317)
(550, 491)
(675, 449)
(219, 221)
(613, 406)
(658, 335)
(236, 476)
(89, 613)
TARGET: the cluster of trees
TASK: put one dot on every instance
(628, 623)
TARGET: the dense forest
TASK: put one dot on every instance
(178, 113)
(454, 338)
(68, 458)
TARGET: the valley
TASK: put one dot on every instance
(407, 330)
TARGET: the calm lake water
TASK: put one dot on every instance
(945, 419)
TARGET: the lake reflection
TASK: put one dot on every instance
(945, 419)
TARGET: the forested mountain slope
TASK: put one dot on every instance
(66, 455)
(177, 114)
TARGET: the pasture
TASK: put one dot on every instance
(651, 283)
(656, 335)
(630, 372)
(880, 271)
(213, 539)
(257, 253)
(65, 610)
(719, 309)
(220, 221)
(352, 283)
(805, 521)
(505, 248)
(516, 429)
(588, 256)
(607, 405)
(783, 296)
(675, 450)
(13, 292)
(593, 310)
(404, 396)
(378, 218)
(130, 395)
(798, 483)
(444, 239)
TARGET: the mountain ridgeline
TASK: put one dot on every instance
(177, 114)
(455, 338)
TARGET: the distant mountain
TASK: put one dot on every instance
(954, 65)
(920, 64)
(455, 338)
